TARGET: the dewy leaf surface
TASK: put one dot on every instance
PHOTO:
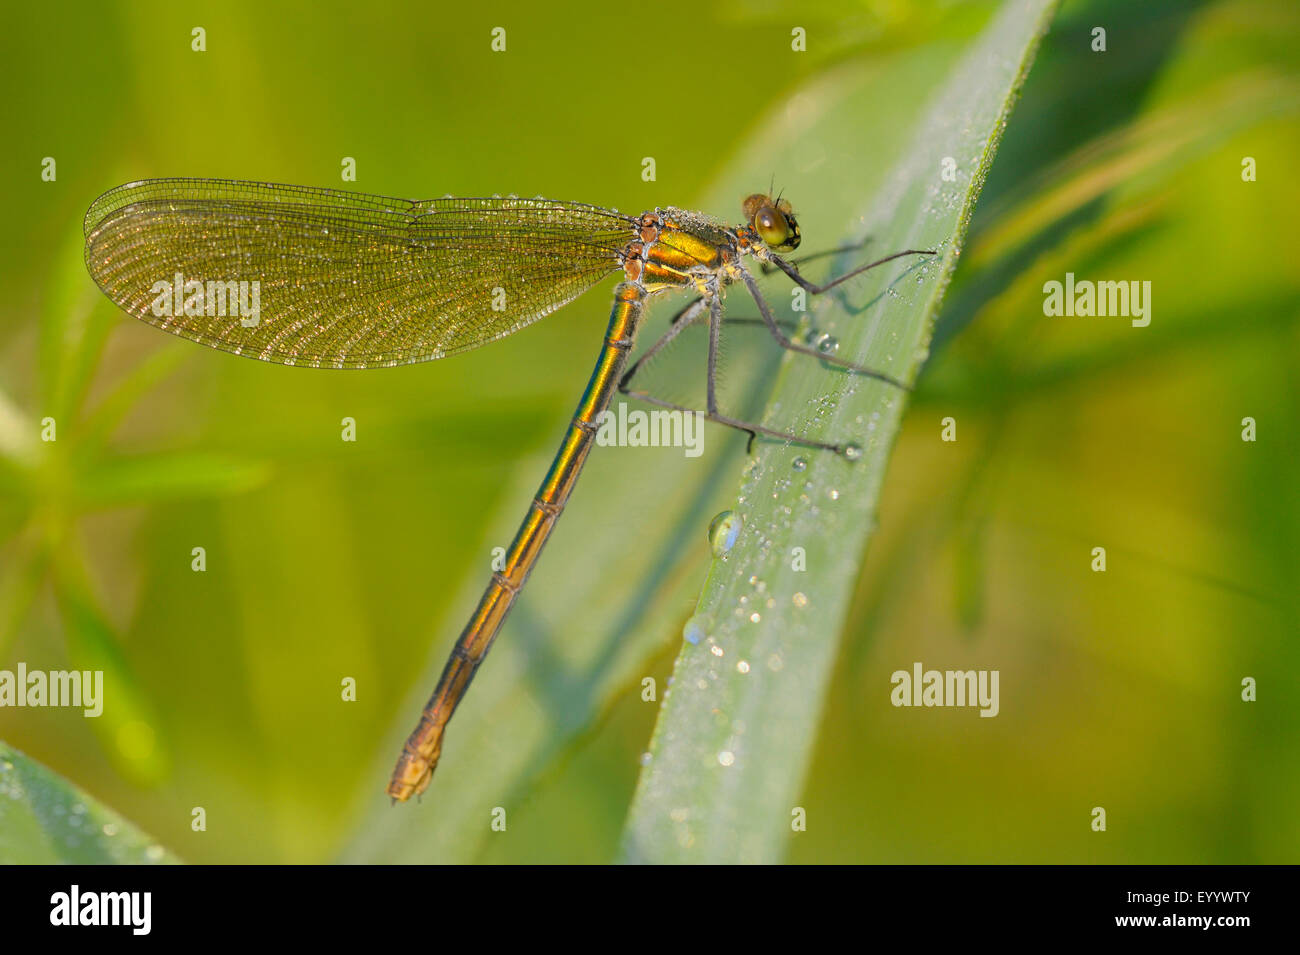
(737, 729)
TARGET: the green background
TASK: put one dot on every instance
(329, 559)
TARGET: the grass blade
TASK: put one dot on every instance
(736, 732)
(45, 820)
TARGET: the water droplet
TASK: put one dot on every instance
(154, 853)
(800, 599)
(727, 757)
(833, 494)
(755, 617)
(798, 464)
(742, 666)
(724, 530)
(716, 650)
(109, 829)
(646, 758)
(692, 632)
(828, 344)
(853, 452)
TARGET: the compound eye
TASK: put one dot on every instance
(771, 225)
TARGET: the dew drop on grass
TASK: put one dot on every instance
(692, 632)
(724, 530)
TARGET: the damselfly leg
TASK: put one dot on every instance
(697, 308)
(768, 268)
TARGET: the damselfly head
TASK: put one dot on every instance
(773, 220)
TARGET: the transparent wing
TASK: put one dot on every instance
(323, 277)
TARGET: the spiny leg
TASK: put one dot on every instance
(715, 334)
(770, 267)
(689, 314)
(776, 264)
(784, 341)
(789, 269)
(746, 320)
(748, 427)
(692, 312)
(685, 317)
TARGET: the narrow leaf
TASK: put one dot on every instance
(736, 732)
(45, 820)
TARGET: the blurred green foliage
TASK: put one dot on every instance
(328, 559)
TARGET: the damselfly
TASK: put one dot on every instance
(334, 279)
